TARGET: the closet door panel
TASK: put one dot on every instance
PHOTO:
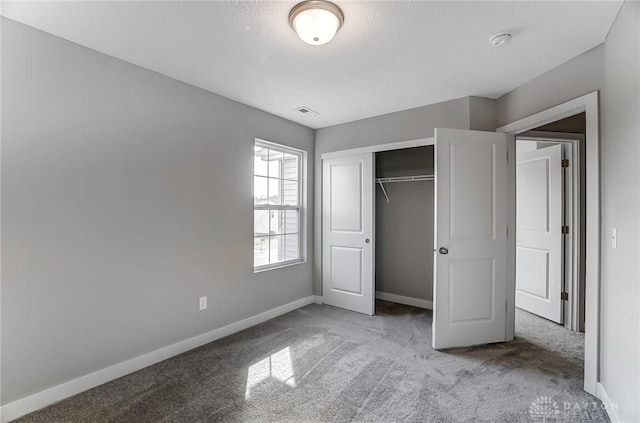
(347, 232)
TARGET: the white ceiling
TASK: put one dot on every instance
(389, 55)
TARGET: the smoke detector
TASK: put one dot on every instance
(500, 39)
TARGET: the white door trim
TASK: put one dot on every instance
(381, 147)
(589, 104)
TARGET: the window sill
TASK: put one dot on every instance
(278, 266)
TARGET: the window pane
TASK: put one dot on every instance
(290, 167)
(277, 182)
(275, 164)
(260, 156)
(275, 197)
(291, 247)
(290, 195)
(260, 195)
(292, 222)
(260, 222)
(260, 251)
(277, 222)
(276, 247)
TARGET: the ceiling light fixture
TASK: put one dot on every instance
(316, 21)
(500, 39)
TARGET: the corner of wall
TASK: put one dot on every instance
(620, 293)
(482, 114)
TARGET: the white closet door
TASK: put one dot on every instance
(347, 232)
(539, 232)
(470, 274)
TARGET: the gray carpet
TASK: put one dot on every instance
(323, 364)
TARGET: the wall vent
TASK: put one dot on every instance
(307, 111)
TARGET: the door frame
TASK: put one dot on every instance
(572, 308)
(398, 145)
(587, 103)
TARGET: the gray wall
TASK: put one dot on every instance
(126, 195)
(612, 68)
(482, 114)
(404, 226)
(620, 301)
(578, 76)
(400, 126)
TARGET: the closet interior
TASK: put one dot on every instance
(404, 225)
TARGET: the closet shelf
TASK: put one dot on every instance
(414, 178)
(405, 179)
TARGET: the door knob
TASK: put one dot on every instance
(443, 251)
(367, 240)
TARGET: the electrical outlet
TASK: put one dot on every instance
(203, 303)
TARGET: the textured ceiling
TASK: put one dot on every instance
(389, 55)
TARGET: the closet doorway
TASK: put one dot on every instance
(404, 226)
(349, 225)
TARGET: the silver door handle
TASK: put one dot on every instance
(443, 251)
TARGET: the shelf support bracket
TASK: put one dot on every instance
(384, 191)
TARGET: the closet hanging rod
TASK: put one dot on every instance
(405, 179)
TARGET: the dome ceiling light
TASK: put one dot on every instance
(316, 21)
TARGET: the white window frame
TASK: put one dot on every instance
(301, 207)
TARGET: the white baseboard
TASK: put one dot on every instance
(49, 396)
(317, 299)
(611, 408)
(404, 300)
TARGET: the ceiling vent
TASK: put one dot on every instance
(307, 111)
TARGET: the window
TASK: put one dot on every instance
(277, 198)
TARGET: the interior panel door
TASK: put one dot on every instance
(470, 272)
(539, 250)
(347, 232)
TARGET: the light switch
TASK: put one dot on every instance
(614, 238)
(203, 303)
